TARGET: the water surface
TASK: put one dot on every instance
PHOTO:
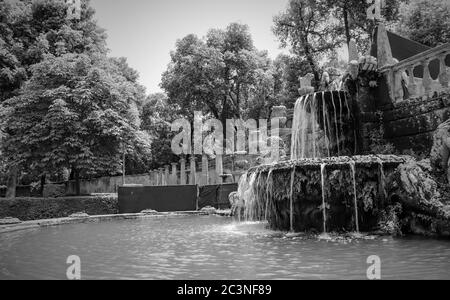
(210, 248)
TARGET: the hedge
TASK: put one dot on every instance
(27, 209)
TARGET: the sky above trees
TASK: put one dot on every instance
(145, 31)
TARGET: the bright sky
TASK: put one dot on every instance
(145, 31)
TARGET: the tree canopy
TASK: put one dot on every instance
(76, 112)
(65, 104)
(426, 22)
(220, 74)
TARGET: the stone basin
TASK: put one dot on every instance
(292, 195)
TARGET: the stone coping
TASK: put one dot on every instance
(102, 218)
(333, 162)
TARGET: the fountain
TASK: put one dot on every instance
(324, 204)
(329, 186)
(323, 126)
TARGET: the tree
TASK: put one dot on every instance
(157, 117)
(426, 22)
(353, 20)
(287, 70)
(12, 73)
(77, 112)
(29, 30)
(51, 66)
(308, 27)
(216, 74)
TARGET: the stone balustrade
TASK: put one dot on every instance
(193, 173)
(412, 77)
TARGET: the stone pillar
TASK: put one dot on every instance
(166, 176)
(151, 178)
(160, 177)
(205, 170)
(219, 169)
(155, 177)
(183, 171)
(385, 58)
(193, 177)
(174, 179)
(384, 51)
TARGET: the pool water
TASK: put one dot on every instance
(210, 247)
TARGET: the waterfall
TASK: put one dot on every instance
(268, 194)
(382, 178)
(250, 199)
(304, 125)
(336, 124)
(291, 208)
(318, 126)
(314, 126)
(324, 205)
(340, 116)
(353, 170)
(296, 129)
(324, 113)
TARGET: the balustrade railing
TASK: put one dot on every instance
(186, 173)
(412, 77)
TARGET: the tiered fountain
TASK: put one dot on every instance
(327, 186)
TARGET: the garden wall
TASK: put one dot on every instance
(27, 209)
(410, 125)
(216, 195)
(159, 198)
(108, 185)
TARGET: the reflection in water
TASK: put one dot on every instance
(211, 248)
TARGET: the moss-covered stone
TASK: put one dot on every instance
(391, 192)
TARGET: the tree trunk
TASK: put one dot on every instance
(347, 25)
(312, 63)
(12, 183)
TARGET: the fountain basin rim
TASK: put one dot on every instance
(334, 162)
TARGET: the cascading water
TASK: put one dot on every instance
(336, 125)
(269, 185)
(318, 194)
(355, 195)
(322, 136)
(319, 128)
(324, 204)
(382, 178)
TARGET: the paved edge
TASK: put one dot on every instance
(101, 218)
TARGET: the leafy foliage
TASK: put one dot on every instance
(426, 22)
(66, 105)
(76, 112)
(220, 74)
(157, 115)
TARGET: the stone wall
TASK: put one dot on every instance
(107, 184)
(410, 124)
(27, 209)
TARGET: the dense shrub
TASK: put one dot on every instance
(27, 209)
